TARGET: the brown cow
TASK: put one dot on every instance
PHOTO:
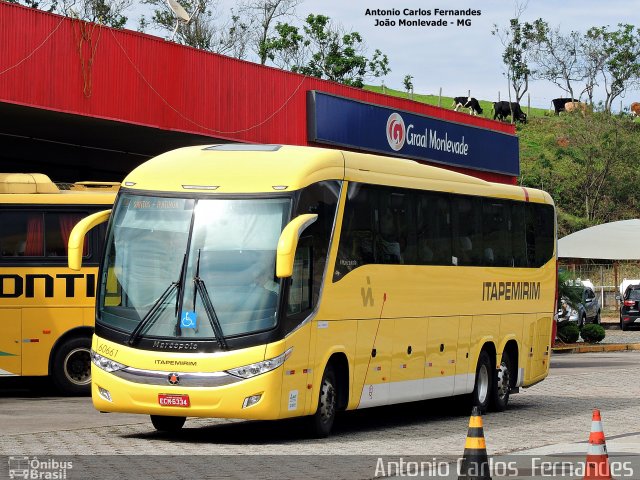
(635, 109)
(576, 106)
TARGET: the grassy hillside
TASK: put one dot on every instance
(447, 101)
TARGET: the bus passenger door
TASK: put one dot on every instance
(442, 350)
(407, 365)
(10, 342)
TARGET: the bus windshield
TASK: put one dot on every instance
(192, 268)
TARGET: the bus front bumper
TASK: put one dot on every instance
(111, 393)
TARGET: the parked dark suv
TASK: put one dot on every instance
(630, 307)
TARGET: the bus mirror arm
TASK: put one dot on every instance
(288, 243)
(76, 239)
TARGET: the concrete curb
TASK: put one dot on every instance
(607, 347)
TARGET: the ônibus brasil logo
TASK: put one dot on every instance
(396, 132)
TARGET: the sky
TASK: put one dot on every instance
(462, 58)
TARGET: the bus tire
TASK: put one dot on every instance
(322, 420)
(166, 424)
(71, 367)
(484, 382)
(500, 397)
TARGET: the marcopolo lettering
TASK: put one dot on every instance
(510, 291)
(175, 345)
(15, 286)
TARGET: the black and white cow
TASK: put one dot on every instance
(559, 103)
(467, 102)
(501, 111)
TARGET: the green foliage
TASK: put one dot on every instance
(408, 83)
(516, 39)
(592, 333)
(618, 58)
(323, 50)
(586, 164)
(568, 332)
(566, 289)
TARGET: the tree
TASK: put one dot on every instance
(408, 83)
(326, 50)
(516, 40)
(619, 55)
(557, 56)
(105, 12)
(229, 37)
(263, 16)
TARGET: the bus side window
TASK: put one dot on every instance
(22, 234)
(518, 235)
(58, 226)
(496, 223)
(467, 229)
(433, 227)
(300, 287)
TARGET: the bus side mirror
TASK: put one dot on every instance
(76, 239)
(288, 243)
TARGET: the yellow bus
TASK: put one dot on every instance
(47, 310)
(272, 281)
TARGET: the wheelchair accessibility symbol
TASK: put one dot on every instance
(189, 319)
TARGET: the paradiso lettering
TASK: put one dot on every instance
(510, 291)
(14, 286)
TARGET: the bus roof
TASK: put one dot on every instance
(249, 168)
(36, 188)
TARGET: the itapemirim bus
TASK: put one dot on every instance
(271, 281)
(47, 310)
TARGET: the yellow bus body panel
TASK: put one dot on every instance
(406, 331)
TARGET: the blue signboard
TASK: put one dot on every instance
(348, 123)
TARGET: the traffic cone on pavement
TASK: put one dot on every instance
(475, 463)
(597, 464)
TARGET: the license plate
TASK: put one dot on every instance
(173, 400)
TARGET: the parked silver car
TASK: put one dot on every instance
(587, 311)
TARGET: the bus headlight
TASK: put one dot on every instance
(105, 363)
(259, 368)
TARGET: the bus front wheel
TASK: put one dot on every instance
(71, 367)
(322, 420)
(485, 382)
(167, 424)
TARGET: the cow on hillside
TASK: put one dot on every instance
(467, 102)
(502, 110)
(635, 109)
(559, 103)
(575, 107)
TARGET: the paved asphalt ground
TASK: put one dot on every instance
(551, 417)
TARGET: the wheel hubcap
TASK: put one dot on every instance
(483, 383)
(77, 366)
(328, 407)
(503, 381)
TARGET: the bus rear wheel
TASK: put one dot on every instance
(322, 420)
(167, 424)
(484, 384)
(500, 398)
(71, 367)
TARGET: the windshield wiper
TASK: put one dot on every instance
(151, 314)
(201, 288)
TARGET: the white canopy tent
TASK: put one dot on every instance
(608, 241)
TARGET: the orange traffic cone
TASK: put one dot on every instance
(597, 464)
(475, 464)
